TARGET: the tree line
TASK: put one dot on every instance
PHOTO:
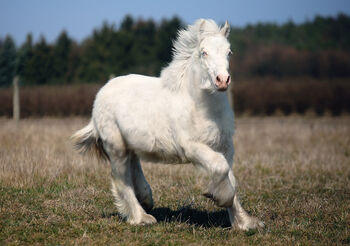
(319, 48)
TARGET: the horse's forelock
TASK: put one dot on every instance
(189, 38)
(207, 26)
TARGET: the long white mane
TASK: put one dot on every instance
(185, 45)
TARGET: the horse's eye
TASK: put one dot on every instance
(229, 53)
(204, 53)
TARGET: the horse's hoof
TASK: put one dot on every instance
(250, 223)
(147, 219)
(222, 194)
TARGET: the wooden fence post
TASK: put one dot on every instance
(16, 103)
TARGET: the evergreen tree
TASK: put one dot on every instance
(40, 66)
(166, 35)
(97, 55)
(61, 51)
(25, 54)
(7, 62)
(143, 50)
(319, 48)
(74, 61)
(127, 23)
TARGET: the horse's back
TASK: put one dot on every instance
(137, 105)
(121, 91)
(129, 85)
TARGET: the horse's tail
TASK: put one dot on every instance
(87, 140)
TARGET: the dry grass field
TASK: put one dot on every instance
(293, 173)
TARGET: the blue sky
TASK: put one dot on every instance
(80, 17)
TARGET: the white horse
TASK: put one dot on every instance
(181, 117)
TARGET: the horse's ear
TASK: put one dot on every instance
(202, 29)
(201, 26)
(225, 30)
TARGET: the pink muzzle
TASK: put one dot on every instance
(222, 82)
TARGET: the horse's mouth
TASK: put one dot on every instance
(221, 87)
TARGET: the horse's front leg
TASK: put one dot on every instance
(238, 216)
(220, 188)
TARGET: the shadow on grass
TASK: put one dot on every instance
(187, 215)
(192, 216)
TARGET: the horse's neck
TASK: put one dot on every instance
(186, 77)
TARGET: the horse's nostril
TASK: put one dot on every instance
(218, 78)
(228, 79)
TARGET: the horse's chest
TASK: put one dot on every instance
(213, 132)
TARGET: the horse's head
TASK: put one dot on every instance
(214, 54)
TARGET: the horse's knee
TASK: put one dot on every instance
(220, 167)
(120, 170)
(222, 193)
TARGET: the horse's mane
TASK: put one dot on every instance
(185, 45)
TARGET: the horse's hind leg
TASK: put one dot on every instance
(123, 191)
(142, 188)
(238, 216)
(122, 185)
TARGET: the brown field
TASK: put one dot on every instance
(293, 173)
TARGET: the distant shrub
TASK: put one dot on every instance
(261, 96)
(50, 100)
(265, 96)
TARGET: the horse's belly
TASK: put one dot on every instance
(160, 157)
(155, 146)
